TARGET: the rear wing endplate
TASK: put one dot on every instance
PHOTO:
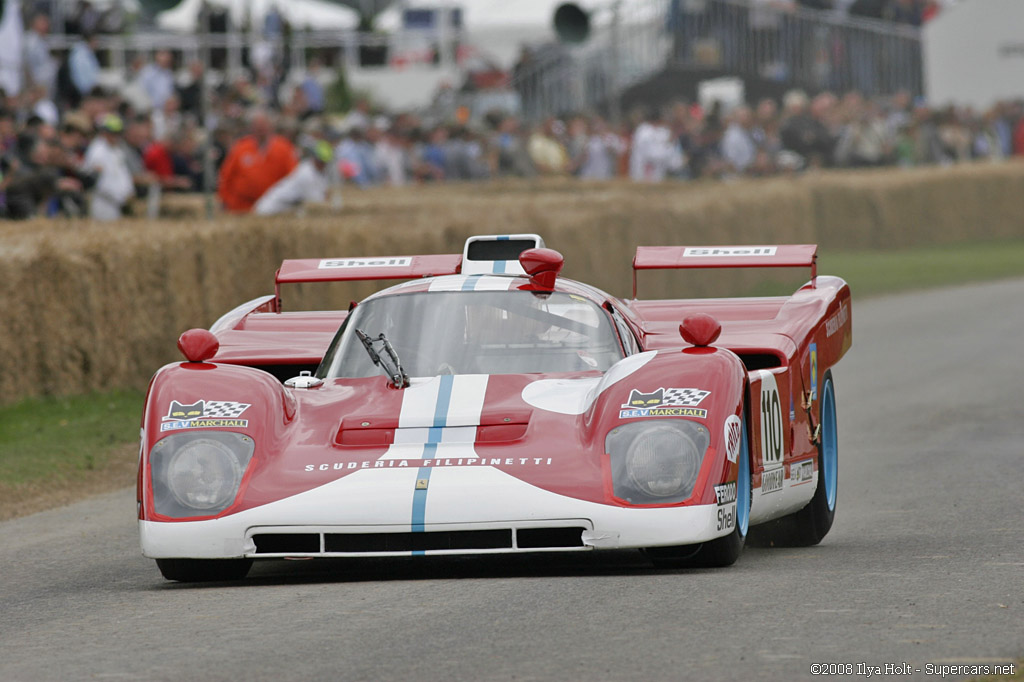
(687, 257)
(365, 269)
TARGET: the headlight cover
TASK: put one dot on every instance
(656, 462)
(198, 474)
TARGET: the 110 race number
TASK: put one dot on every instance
(771, 422)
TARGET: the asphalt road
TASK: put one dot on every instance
(925, 563)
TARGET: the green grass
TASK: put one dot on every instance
(62, 438)
(873, 273)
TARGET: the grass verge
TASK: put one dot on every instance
(56, 450)
(874, 273)
(871, 273)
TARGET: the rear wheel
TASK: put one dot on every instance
(204, 570)
(723, 551)
(811, 524)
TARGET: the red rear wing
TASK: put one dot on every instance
(686, 257)
(364, 269)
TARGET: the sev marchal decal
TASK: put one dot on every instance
(665, 402)
(205, 414)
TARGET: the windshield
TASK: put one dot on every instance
(478, 332)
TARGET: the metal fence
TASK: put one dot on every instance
(810, 49)
(232, 52)
(632, 40)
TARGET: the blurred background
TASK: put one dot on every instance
(114, 107)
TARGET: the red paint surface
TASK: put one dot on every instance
(347, 423)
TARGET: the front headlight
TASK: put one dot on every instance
(198, 474)
(656, 463)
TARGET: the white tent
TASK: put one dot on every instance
(477, 13)
(974, 53)
(299, 13)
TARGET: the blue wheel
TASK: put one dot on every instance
(828, 459)
(743, 493)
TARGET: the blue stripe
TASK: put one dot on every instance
(500, 264)
(434, 433)
(470, 283)
(444, 398)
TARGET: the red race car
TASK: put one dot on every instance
(487, 405)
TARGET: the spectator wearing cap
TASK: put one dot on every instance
(254, 164)
(108, 159)
(309, 182)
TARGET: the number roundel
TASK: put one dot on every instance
(771, 422)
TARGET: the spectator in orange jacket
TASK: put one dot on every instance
(254, 164)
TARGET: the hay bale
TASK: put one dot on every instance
(90, 306)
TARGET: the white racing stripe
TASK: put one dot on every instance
(471, 283)
(439, 418)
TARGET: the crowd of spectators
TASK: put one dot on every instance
(69, 146)
(682, 141)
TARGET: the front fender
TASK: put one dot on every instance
(704, 385)
(192, 397)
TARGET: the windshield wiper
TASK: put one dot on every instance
(389, 361)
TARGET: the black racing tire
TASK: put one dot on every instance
(204, 570)
(720, 552)
(810, 525)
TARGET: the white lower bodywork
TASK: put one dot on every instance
(460, 498)
(791, 498)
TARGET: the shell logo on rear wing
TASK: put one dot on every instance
(364, 269)
(688, 257)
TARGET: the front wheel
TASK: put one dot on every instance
(723, 551)
(204, 570)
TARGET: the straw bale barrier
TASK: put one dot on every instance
(89, 307)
